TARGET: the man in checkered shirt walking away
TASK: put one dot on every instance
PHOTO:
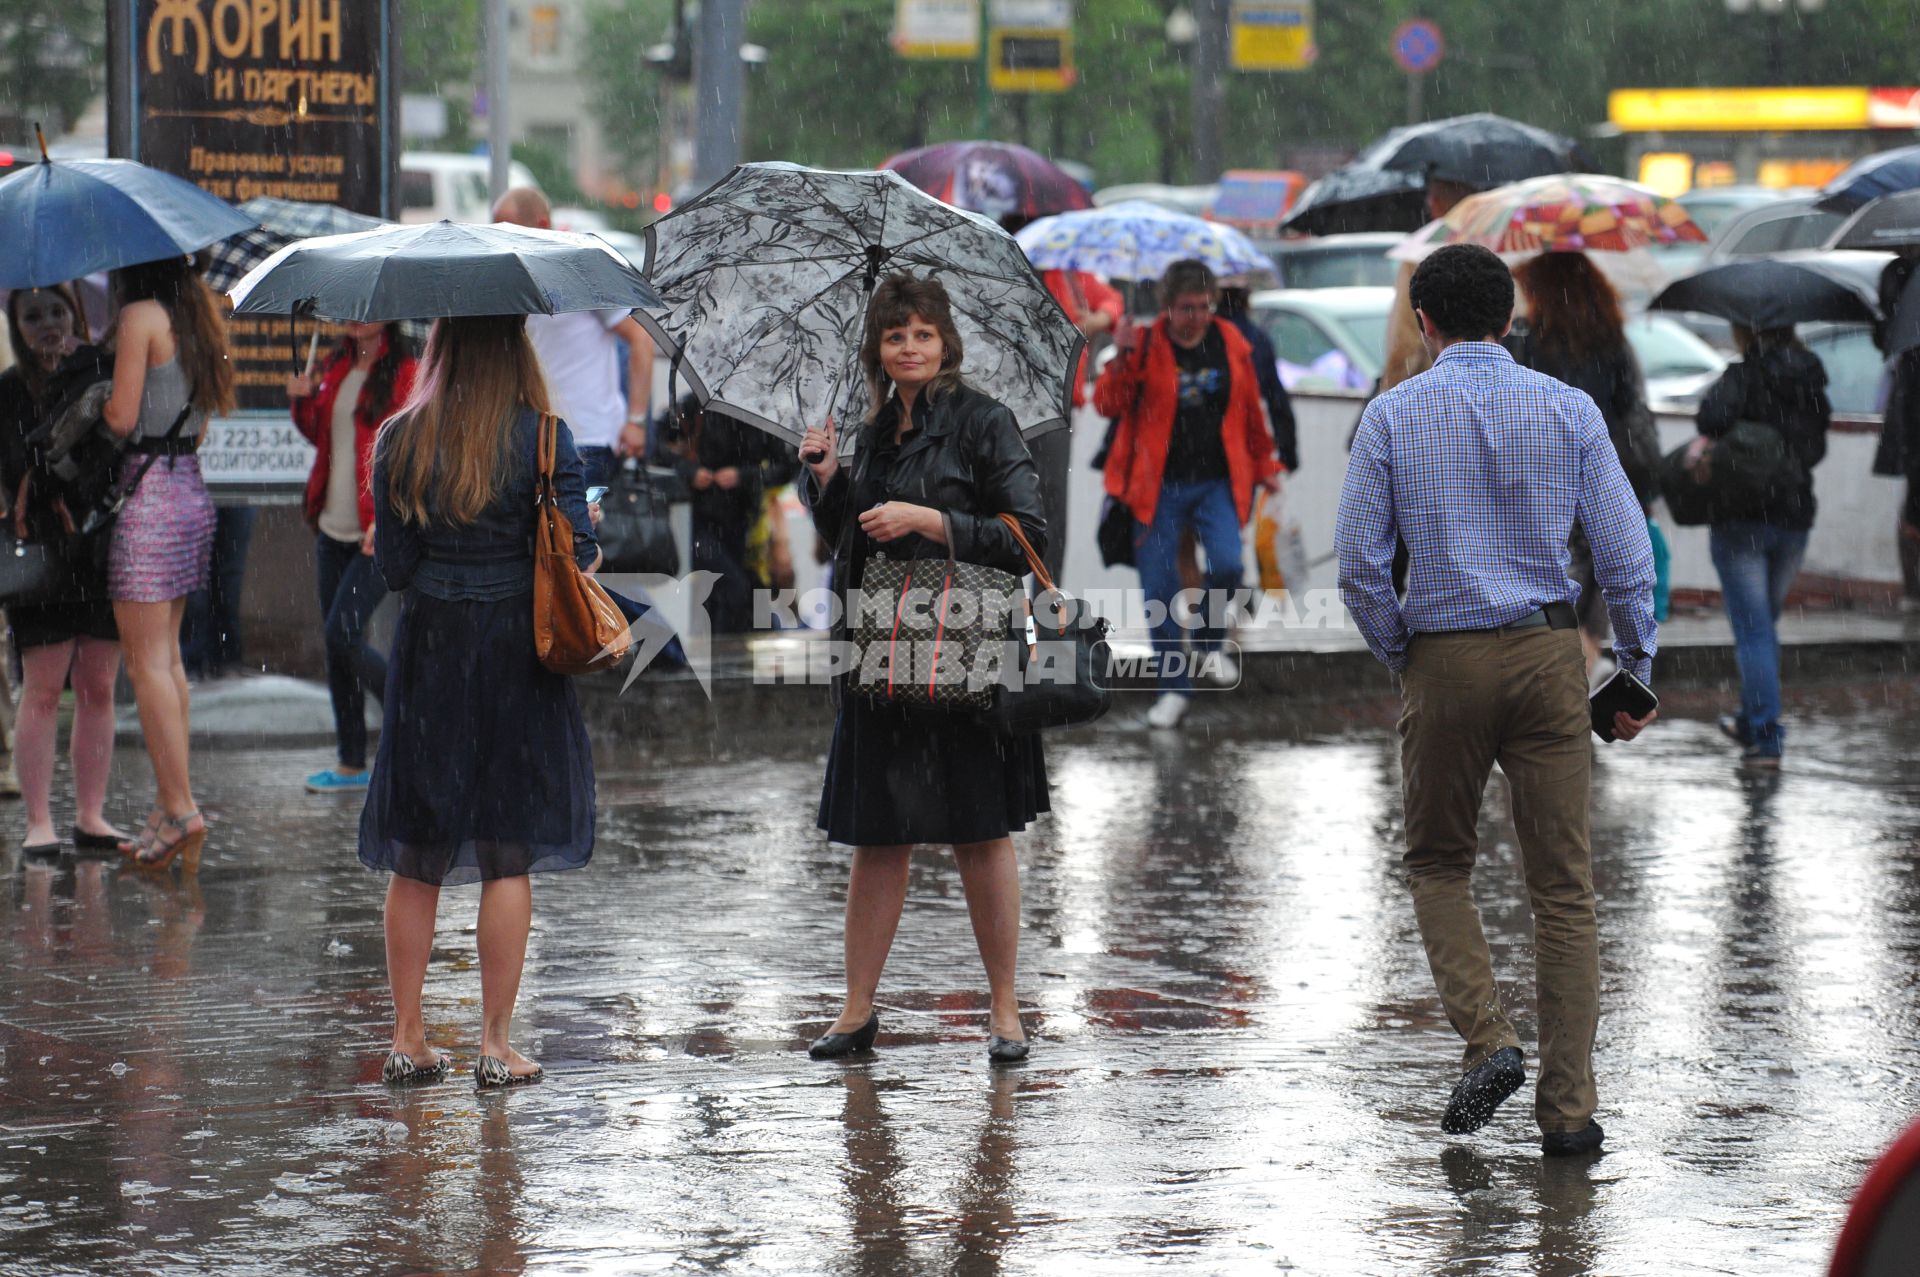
(1482, 467)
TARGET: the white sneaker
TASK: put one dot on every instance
(1220, 669)
(1168, 710)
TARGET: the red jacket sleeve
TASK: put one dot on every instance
(312, 415)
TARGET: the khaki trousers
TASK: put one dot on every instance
(1518, 698)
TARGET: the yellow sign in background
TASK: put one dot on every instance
(1737, 110)
(1273, 35)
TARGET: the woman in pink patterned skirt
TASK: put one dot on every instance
(170, 371)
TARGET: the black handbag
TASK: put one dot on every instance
(636, 530)
(1065, 664)
(1752, 467)
(32, 571)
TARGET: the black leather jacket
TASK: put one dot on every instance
(964, 456)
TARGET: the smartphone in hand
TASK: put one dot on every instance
(1623, 693)
(596, 493)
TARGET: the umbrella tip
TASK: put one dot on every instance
(40, 136)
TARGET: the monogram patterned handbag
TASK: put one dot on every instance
(933, 633)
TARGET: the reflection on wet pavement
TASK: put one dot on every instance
(1240, 1063)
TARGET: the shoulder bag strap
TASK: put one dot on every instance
(119, 495)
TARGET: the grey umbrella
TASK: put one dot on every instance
(441, 270)
(764, 281)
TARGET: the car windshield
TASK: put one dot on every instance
(1853, 365)
(1368, 328)
(1665, 348)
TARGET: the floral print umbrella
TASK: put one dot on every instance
(1563, 213)
(1135, 240)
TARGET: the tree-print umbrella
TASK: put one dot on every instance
(764, 281)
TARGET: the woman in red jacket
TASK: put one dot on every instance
(364, 382)
(1191, 444)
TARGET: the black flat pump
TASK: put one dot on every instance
(834, 1046)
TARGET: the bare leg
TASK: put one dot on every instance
(991, 876)
(876, 893)
(506, 915)
(44, 671)
(150, 641)
(411, 907)
(95, 665)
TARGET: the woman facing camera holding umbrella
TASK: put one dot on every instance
(483, 773)
(857, 253)
(936, 463)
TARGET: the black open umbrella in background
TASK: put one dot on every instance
(1354, 199)
(1384, 188)
(1762, 294)
(1888, 223)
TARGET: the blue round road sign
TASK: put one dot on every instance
(1417, 46)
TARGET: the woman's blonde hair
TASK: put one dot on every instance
(895, 302)
(447, 450)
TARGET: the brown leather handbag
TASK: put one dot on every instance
(576, 627)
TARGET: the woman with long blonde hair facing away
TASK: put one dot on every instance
(483, 772)
(170, 373)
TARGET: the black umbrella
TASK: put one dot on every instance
(441, 270)
(1357, 199)
(1890, 222)
(1762, 294)
(1481, 151)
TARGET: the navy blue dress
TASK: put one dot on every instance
(483, 769)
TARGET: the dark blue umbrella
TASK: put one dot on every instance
(1867, 179)
(71, 218)
(1759, 294)
(442, 270)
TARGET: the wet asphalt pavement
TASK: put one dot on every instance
(1239, 1067)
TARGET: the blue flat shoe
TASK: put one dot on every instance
(337, 782)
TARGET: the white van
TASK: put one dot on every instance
(436, 185)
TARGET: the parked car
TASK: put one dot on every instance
(593, 222)
(1334, 339)
(1773, 228)
(1334, 261)
(436, 185)
(1326, 339)
(1715, 209)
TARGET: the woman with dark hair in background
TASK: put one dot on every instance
(71, 637)
(363, 383)
(1780, 383)
(170, 373)
(1574, 333)
(936, 460)
(484, 772)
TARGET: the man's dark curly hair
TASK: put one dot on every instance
(1465, 290)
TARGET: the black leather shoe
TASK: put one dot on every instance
(1481, 1089)
(834, 1046)
(1573, 1143)
(1005, 1050)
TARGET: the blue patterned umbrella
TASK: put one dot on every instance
(1135, 240)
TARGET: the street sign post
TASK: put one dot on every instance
(1417, 50)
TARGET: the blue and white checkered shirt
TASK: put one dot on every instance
(1483, 467)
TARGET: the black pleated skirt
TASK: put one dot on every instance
(896, 777)
(483, 769)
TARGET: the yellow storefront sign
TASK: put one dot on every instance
(1273, 35)
(1737, 110)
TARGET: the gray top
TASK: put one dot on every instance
(166, 392)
